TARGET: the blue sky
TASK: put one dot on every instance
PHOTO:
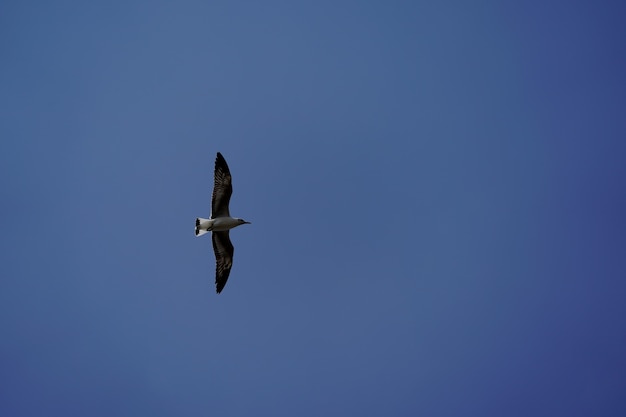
(436, 191)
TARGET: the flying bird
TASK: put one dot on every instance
(220, 222)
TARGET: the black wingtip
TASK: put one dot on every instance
(220, 164)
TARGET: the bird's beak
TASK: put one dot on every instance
(247, 223)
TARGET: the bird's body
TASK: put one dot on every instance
(220, 222)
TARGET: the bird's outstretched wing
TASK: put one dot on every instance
(224, 251)
(222, 188)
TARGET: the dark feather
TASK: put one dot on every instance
(222, 188)
(224, 251)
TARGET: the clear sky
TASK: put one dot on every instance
(436, 190)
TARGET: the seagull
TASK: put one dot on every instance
(220, 222)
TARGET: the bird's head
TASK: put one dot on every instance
(242, 221)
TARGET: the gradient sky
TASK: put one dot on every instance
(436, 190)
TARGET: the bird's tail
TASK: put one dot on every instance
(202, 226)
